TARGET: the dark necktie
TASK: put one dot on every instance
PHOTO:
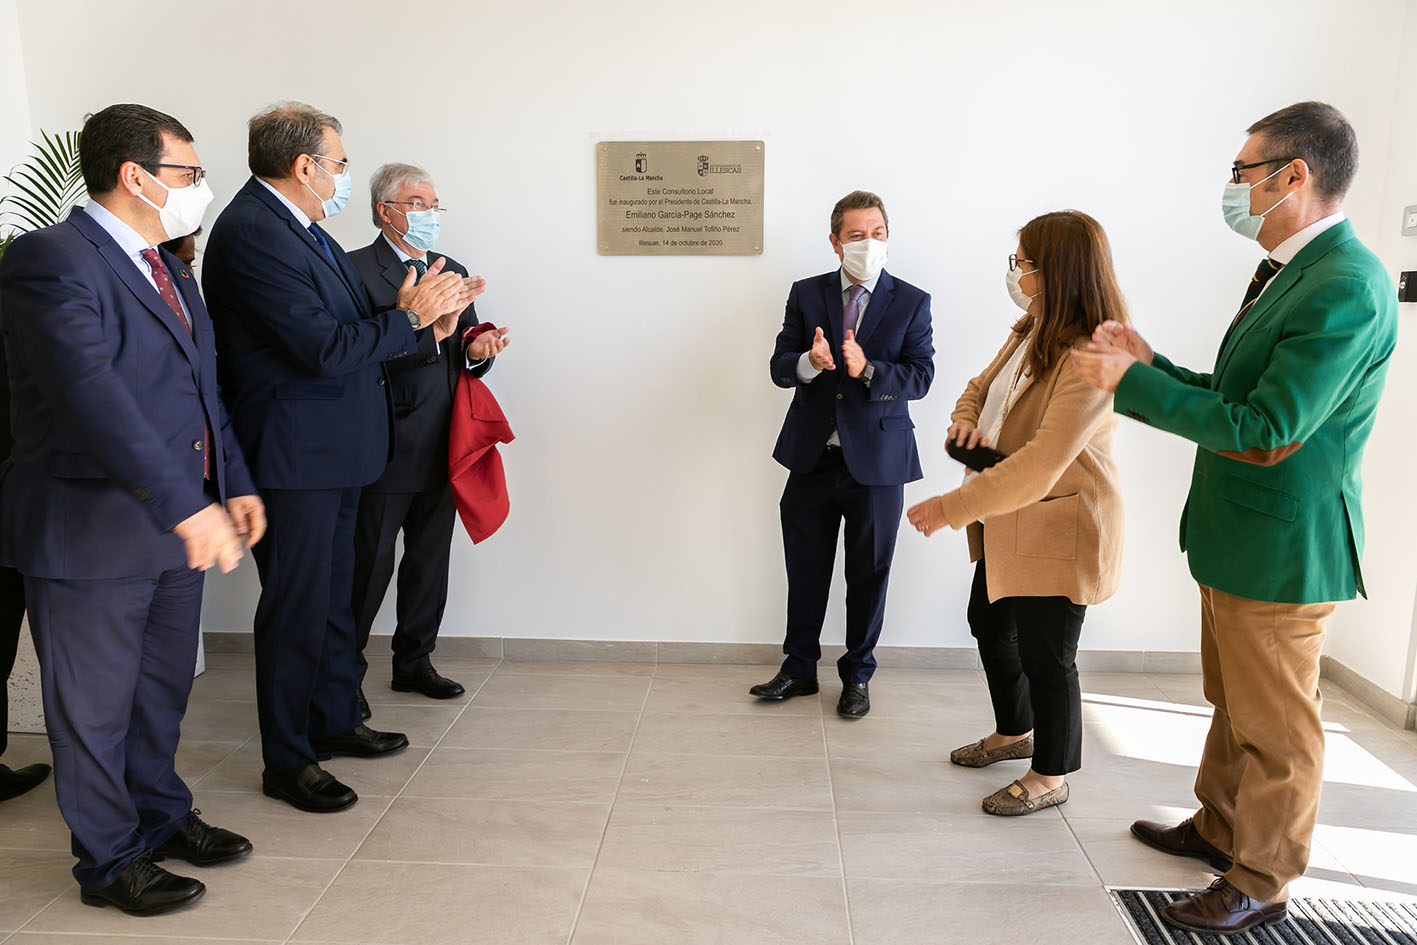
(168, 291)
(1265, 272)
(320, 238)
(419, 265)
(852, 312)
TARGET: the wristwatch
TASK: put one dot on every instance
(868, 372)
(413, 318)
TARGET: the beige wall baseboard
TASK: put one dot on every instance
(766, 654)
(1385, 704)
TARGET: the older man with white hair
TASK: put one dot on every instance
(414, 494)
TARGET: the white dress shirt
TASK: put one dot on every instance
(299, 214)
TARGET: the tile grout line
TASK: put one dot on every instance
(304, 916)
(610, 815)
(1083, 848)
(836, 826)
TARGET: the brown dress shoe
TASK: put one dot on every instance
(1223, 910)
(977, 756)
(1181, 840)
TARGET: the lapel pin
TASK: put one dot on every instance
(186, 274)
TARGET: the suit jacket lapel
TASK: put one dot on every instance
(350, 280)
(831, 297)
(346, 271)
(129, 275)
(394, 271)
(1283, 281)
(876, 308)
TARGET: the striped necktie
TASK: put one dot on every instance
(1265, 272)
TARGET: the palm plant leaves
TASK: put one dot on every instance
(46, 186)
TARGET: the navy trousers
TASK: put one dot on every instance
(116, 659)
(426, 519)
(814, 505)
(305, 647)
(12, 618)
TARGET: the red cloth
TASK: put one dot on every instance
(475, 467)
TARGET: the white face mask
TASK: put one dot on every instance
(863, 260)
(1021, 298)
(1235, 204)
(182, 213)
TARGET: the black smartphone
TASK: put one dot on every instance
(979, 458)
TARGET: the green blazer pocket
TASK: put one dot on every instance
(1049, 528)
(1258, 498)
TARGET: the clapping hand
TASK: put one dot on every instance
(820, 355)
(852, 354)
(489, 344)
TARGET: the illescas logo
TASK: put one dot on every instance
(706, 168)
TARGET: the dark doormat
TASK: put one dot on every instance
(1310, 922)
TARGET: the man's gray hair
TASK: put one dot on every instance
(387, 180)
(283, 132)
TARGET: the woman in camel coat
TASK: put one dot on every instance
(1044, 523)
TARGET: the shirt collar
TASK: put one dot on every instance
(846, 282)
(1285, 252)
(403, 257)
(124, 235)
(299, 214)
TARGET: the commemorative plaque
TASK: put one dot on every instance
(680, 198)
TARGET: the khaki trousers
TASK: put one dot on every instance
(1262, 767)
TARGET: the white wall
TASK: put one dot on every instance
(14, 102)
(644, 497)
(1371, 636)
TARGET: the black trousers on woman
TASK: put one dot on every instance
(1029, 646)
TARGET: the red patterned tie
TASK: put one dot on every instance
(168, 291)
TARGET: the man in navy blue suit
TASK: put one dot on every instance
(123, 487)
(855, 349)
(301, 358)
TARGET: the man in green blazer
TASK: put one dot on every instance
(1273, 526)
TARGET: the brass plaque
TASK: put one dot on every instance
(680, 198)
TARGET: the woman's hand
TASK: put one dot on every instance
(929, 516)
(963, 433)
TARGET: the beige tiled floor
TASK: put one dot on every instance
(583, 803)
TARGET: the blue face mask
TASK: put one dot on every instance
(422, 229)
(344, 187)
(1236, 207)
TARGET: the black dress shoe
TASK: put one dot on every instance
(855, 700)
(142, 888)
(15, 783)
(362, 741)
(1181, 840)
(364, 712)
(428, 682)
(309, 788)
(201, 844)
(783, 686)
(1223, 910)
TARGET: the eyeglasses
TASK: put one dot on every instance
(1237, 168)
(342, 162)
(197, 172)
(416, 204)
(1015, 259)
